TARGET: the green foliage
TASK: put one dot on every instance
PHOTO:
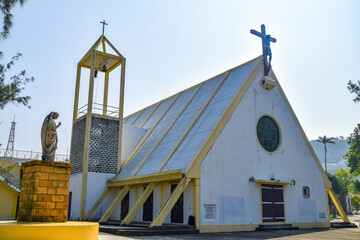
(324, 140)
(356, 186)
(335, 183)
(355, 199)
(6, 7)
(353, 156)
(345, 180)
(11, 89)
(354, 88)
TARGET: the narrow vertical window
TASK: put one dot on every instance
(306, 192)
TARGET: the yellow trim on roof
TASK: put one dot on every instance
(148, 178)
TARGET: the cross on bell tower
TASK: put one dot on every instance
(103, 23)
(266, 39)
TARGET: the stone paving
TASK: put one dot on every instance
(306, 234)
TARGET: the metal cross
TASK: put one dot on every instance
(266, 39)
(103, 23)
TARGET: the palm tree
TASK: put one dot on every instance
(324, 140)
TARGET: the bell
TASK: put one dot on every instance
(103, 69)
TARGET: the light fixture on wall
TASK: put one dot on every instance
(252, 179)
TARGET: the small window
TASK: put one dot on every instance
(306, 192)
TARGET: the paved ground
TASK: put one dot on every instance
(308, 234)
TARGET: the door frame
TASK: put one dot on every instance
(261, 205)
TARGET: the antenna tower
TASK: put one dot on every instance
(10, 146)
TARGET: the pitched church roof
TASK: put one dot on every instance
(180, 125)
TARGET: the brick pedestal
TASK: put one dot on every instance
(44, 191)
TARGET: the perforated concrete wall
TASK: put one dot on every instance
(103, 147)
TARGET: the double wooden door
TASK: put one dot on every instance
(272, 203)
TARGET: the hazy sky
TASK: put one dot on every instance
(172, 45)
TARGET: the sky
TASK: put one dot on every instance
(173, 45)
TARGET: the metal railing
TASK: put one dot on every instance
(98, 109)
(24, 156)
(10, 178)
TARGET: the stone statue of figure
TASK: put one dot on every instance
(49, 137)
(267, 49)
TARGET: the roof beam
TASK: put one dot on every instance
(97, 204)
(148, 134)
(152, 112)
(112, 46)
(170, 203)
(337, 204)
(94, 47)
(193, 122)
(166, 131)
(114, 204)
(167, 176)
(139, 203)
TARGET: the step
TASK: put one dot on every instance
(343, 225)
(145, 232)
(146, 225)
(275, 227)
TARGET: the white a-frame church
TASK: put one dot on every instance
(227, 154)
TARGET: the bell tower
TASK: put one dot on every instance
(97, 127)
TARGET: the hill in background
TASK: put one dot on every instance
(335, 153)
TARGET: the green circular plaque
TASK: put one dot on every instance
(268, 133)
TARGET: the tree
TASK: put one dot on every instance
(345, 180)
(356, 202)
(324, 140)
(6, 7)
(11, 88)
(353, 155)
(10, 92)
(354, 88)
(335, 183)
(356, 186)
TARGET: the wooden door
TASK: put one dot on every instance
(148, 209)
(177, 212)
(272, 203)
(124, 206)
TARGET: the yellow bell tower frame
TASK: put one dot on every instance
(97, 60)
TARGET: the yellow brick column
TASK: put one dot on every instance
(44, 191)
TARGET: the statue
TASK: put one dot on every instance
(49, 137)
(267, 49)
(266, 39)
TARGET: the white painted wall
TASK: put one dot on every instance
(95, 187)
(188, 202)
(130, 138)
(75, 189)
(166, 195)
(236, 156)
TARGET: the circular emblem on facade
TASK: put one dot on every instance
(268, 133)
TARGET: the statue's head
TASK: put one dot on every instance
(54, 115)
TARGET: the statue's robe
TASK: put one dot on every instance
(49, 138)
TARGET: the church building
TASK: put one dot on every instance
(227, 154)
